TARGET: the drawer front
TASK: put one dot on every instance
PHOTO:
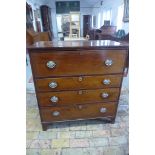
(77, 63)
(76, 83)
(78, 112)
(78, 97)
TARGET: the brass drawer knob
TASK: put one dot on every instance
(80, 78)
(105, 95)
(56, 113)
(54, 99)
(51, 64)
(106, 81)
(108, 62)
(103, 110)
(53, 84)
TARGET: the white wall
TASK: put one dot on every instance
(111, 4)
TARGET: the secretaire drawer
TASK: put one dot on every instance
(76, 97)
(78, 112)
(79, 82)
(77, 63)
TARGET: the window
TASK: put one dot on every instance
(99, 20)
(94, 21)
(120, 17)
(107, 15)
(59, 23)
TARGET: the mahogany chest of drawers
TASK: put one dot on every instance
(77, 80)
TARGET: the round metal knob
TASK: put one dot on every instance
(105, 95)
(51, 64)
(80, 78)
(56, 113)
(106, 81)
(108, 62)
(53, 84)
(103, 110)
(54, 99)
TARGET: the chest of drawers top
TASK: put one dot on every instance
(77, 45)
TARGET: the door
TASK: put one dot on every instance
(86, 24)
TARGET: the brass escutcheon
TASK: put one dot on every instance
(80, 92)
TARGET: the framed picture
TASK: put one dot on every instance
(126, 11)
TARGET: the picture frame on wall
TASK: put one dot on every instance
(126, 11)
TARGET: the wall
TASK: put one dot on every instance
(113, 4)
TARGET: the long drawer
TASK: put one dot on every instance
(78, 112)
(76, 97)
(79, 82)
(73, 63)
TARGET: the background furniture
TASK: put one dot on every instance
(65, 25)
(120, 33)
(29, 17)
(104, 33)
(77, 80)
(37, 20)
(106, 22)
(32, 37)
(108, 33)
(74, 24)
(46, 19)
(66, 29)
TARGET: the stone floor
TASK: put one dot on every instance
(89, 137)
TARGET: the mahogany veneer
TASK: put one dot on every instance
(78, 112)
(81, 96)
(77, 63)
(77, 80)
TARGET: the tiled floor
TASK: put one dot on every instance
(89, 137)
